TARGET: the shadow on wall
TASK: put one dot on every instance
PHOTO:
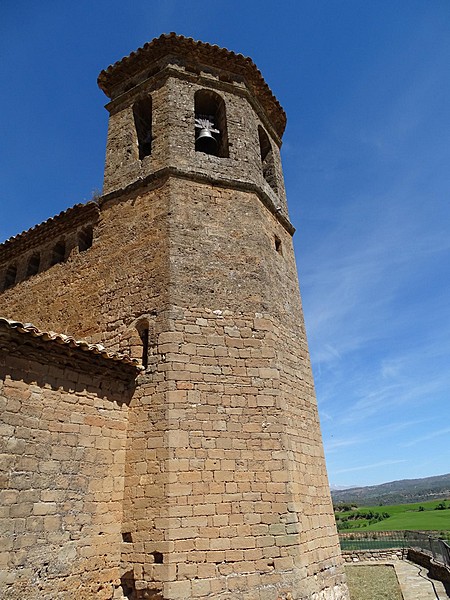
(67, 377)
(129, 589)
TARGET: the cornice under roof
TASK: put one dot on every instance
(48, 229)
(199, 53)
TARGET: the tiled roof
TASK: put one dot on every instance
(199, 52)
(49, 227)
(62, 339)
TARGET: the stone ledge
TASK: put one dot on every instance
(160, 177)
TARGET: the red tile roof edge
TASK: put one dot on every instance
(62, 339)
(65, 214)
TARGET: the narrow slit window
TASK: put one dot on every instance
(267, 160)
(10, 276)
(85, 238)
(33, 265)
(142, 112)
(59, 253)
(144, 335)
(211, 135)
(278, 246)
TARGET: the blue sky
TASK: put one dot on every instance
(366, 155)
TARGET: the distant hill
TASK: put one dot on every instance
(396, 492)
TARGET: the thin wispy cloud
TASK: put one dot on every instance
(426, 438)
(375, 284)
(369, 466)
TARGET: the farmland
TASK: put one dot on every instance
(421, 516)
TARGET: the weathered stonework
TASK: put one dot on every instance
(219, 488)
(64, 430)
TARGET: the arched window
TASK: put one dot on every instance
(85, 237)
(33, 264)
(59, 253)
(10, 276)
(142, 112)
(267, 161)
(211, 135)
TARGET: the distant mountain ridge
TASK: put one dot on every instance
(404, 491)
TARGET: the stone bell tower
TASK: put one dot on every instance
(226, 493)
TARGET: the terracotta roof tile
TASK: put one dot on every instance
(62, 339)
(42, 229)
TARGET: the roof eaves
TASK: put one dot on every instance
(60, 338)
(69, 212)
(175, 42)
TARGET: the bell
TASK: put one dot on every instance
(206, 142)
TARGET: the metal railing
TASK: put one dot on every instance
(438, 548)
(428, 542)
(372, 540)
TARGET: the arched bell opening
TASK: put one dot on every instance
(267, 159)
(211, 136)
(142, 112)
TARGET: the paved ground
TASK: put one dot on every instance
(416, 585)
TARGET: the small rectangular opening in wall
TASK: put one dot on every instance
(85, 239)
(33, 265)
(158, 558)
(126, 537)
(278, 247)
(59, 253)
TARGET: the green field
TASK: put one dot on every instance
(401, 517)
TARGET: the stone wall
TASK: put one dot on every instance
(98, 294)
(64, 422)
(173, 135)
(436, 569)
(33, 252)
(352, 556)
(223, 466)
(225, 483)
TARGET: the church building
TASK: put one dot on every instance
(160, 435)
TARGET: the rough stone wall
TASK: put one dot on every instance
(225, 479)
(63, 460)
(98, 294)
(233, 483)
(223, 253)
(354, 556)
(223, 468)
(39, 244)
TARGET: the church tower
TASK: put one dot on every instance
(164, 443)
(226, 492)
